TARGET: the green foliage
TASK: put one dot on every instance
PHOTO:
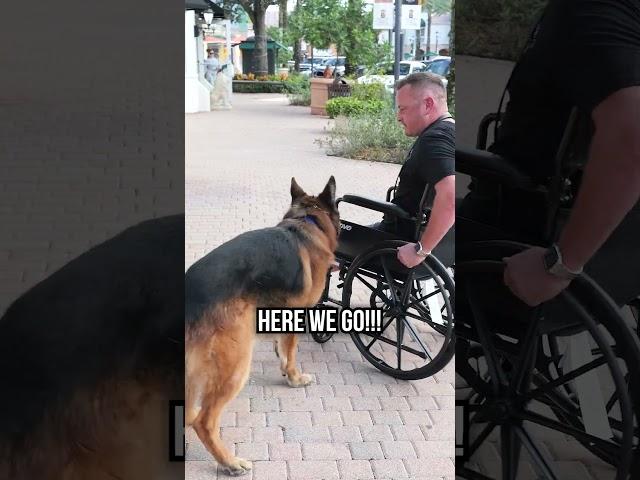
(438, 7)
(233, 10)
(374, 55)
(351, 106)
(372, 91)
(284, 54)
(258, 87)
(298, 90)
(302, 98)
(318, 22)
(374, 137)
(348, 26)
(297, 83)
(495, 28)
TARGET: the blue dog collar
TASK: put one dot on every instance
(311, 219)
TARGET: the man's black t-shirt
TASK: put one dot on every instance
(581, 52)
(431, 159)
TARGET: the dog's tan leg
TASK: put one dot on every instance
(281, 353)
(294, 377)
(229, 365)
(192, 398)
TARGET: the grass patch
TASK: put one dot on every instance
(376, 137)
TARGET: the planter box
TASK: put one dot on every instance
(319, 95)
(256, 86)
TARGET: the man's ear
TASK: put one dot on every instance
(328, 195)
(296, 191)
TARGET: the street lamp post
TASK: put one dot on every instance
(398, 45)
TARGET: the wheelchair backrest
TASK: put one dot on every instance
(558, 192)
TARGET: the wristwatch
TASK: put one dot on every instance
(553, 264)
(419, 251)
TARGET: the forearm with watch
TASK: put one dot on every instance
(442, 218)
(610, 188)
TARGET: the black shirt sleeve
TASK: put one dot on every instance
(432, 158)
(437, 151)
(602, 53)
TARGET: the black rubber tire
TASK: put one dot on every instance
(474, 258)
(441, 275)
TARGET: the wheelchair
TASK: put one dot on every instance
(568, 369)
(417, 335)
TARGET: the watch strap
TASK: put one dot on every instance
(559, 269)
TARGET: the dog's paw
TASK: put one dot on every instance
(237, 467)
(300, 381)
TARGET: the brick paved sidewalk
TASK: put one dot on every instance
(353, 422)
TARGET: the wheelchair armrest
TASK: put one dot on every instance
(390, 190)
(488, 166)
(384, 207)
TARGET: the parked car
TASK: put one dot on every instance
(407, 67)
(306, 68)
(439, 66)
(330, 62)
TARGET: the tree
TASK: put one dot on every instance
(349, 27)
(360, 42)
(256, 10)
(318, 22)
(435, 7)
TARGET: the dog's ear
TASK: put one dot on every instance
(328, 195)
(296, 191)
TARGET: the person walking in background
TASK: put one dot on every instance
(211, 64)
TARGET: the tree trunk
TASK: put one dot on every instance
(282, 14)
(451, 86)
(428, 31)
(260, 52)
(349, 66)
(296, 55)
(297, 47)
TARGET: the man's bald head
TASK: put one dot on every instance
(426, 82)
(420, 100)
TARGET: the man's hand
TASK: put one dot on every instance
(408, 257)
(527, 278)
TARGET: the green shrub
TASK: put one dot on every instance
(296, 84)
(374, 137)
(298, 90)
(351, 106)
(372, 91)
(258, 87)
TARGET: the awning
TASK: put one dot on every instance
(250, 44)
(203, 6)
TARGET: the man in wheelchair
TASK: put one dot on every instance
(429, 168)
(602, 232)
(562, 175)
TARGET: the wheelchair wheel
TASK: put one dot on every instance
(417, 338)
(527, 374)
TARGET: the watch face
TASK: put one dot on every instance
(550, 258)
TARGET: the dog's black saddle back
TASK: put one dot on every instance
(262, 263)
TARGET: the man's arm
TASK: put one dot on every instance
(442, 218)
(611, 182)
(610, 188)
(443, 213)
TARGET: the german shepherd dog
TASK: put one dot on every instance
(283, 266)
(90, 359)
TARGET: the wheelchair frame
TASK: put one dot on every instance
(396, 290)
(501, 398)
